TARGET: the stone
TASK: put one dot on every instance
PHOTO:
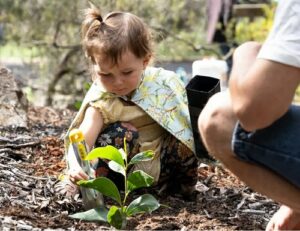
(13, 103)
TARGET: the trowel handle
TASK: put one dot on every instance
(90, 197)
(79, 146)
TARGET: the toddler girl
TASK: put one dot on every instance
(129, 99)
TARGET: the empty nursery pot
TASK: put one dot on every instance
(199, 90)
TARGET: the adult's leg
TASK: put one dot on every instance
(216, 125)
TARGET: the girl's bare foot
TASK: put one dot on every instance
(284, 219)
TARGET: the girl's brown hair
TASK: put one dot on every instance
(111, 36)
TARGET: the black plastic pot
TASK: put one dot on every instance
(199, 90)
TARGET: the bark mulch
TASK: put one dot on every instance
(32, 158)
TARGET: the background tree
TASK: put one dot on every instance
(54, 28)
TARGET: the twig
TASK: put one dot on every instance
(253, 211)
(16, 185)
(258, 204)
(187, 42)
(207, 214)
(5, 139)
(24, 175)
(34, 143)
(13, 153)
(33, 197)
(33, 177)
(241, 203)
(208, 179)
(8, 158)
(16, 140)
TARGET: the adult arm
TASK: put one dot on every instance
(261, 89)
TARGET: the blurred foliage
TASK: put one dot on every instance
(13, 50)
(243, 29)
(57, 23)
(52, 28)
(51, 31)
(246, 29)
(297, 95)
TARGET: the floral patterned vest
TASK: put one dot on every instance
(161, 94)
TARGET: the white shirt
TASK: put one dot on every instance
(283, 42)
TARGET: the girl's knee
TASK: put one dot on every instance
(115, 133)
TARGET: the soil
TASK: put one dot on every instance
(31, 160)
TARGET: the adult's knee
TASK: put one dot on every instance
(209, 123)
(216, 124)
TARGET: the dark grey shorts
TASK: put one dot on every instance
(276, 147)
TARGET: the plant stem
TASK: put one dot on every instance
(125, 177)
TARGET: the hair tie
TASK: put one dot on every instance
(99, 18)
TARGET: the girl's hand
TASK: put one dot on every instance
(76, 175)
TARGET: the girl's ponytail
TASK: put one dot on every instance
(91, 22)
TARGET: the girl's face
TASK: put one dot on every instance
(123, 77)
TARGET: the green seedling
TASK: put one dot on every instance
(117, 215)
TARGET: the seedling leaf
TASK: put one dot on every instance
(144, 203)
(108, 152)
(116, 167)
(139, 179)
(103, 185)
(116, 218)
(98, 214)
(142, 156)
